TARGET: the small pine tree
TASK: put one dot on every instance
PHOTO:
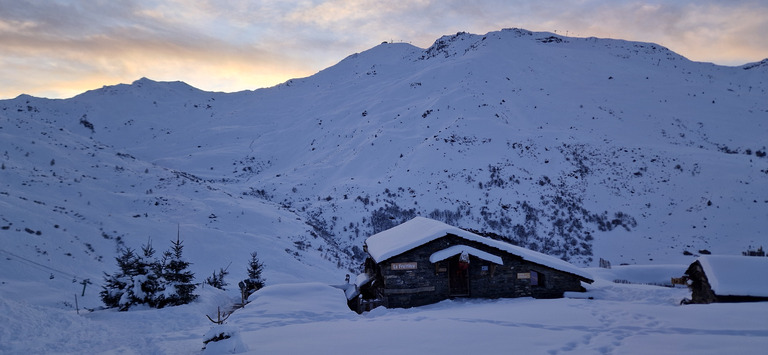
(255, 281)
(135, 283)
(217, 279)
(177, 277)
(151, 284)
(117, 284)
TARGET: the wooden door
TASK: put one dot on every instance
(458, 277)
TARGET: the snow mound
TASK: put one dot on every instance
(224, 339)
(311, 297)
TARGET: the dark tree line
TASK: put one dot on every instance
(156, 282)
(146, 279)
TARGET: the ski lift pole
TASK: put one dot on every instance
(85, 282)
(241, 284)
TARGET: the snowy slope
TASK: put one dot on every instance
(69, 203)
(576, 147)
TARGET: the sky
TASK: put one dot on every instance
(60, 48)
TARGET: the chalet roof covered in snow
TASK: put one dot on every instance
(736, 275)
(421, 230)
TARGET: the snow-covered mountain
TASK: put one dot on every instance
(582, 148)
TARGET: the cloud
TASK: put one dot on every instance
(699, 30)
(54, 48)
(44, 48)
(724, 34)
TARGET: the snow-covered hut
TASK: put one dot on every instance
(726, 278)
(424, 261)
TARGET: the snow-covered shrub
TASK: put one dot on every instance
(217, 279)
(137, 282)
(223, 339)
(116, 285)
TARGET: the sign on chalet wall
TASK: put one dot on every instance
(403, 266)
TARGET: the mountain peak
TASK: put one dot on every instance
(143, 87)
(143, 81)
(176, 85)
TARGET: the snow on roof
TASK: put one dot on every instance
(458, 249)
(421, 230)
(351, 290)
(731, 275)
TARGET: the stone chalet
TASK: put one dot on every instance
(424, 261)
(727, 278)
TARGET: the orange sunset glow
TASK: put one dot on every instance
(58, 49)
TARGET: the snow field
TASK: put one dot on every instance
(621, 319)
(312, 318)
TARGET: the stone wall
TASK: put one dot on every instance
(410, 279)
(701, 291)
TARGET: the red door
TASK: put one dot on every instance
(458, 277)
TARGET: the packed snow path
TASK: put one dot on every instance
(622, 319)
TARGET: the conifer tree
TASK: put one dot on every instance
(217, 279)
(255, 281)
(117, 284)
(178, 278)
(135, 283)
(151, 285)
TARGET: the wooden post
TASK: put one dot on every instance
(219, 320)
(77, 307)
